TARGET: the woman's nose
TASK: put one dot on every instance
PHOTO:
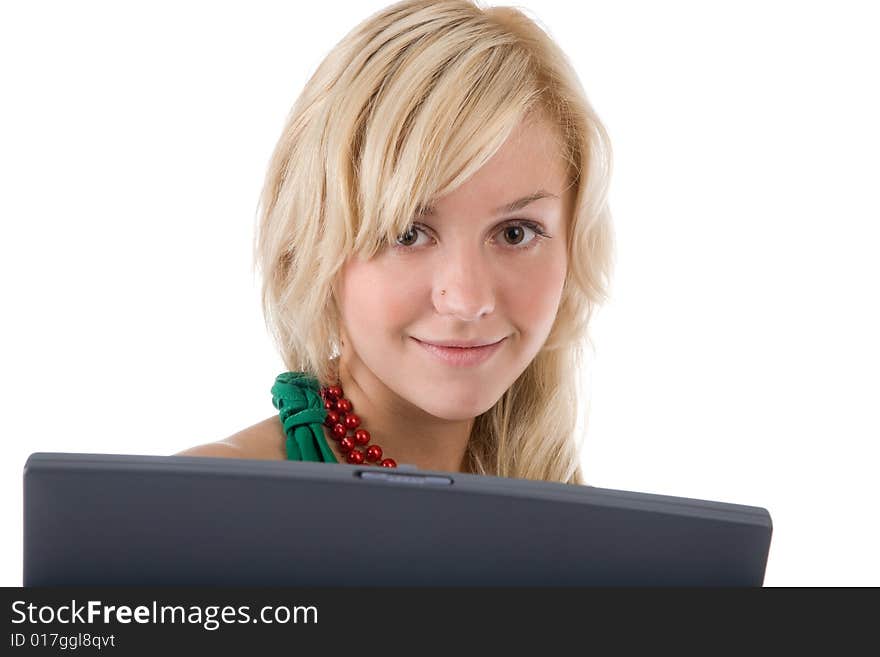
(463, 287)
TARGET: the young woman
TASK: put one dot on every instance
(434, 235)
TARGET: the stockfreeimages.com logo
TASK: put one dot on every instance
(210, 617)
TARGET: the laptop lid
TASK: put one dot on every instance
(104, 519)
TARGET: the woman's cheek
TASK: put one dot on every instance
(537, 292)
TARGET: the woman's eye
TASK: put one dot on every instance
(514, 234)
(409, 237)
(517, 235)
(520, 235)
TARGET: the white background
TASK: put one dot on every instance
(737, 360)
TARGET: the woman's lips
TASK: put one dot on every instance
(461, 356)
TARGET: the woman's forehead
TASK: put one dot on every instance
(528, 168)
(504, 208)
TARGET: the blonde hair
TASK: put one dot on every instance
(404, 109)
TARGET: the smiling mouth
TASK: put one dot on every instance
(461, 356)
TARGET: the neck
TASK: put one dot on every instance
(405, 432)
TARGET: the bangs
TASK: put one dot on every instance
(424, 134)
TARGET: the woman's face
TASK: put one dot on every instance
(468, 270)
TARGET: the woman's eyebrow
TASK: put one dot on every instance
(513, 206)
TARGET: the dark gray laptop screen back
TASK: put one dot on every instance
(93, 519)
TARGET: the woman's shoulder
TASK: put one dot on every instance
(266, 439)
(263, 440)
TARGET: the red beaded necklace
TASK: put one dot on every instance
(340, 419)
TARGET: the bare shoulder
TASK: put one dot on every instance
(263, 440)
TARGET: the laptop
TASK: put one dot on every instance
(110, 520)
